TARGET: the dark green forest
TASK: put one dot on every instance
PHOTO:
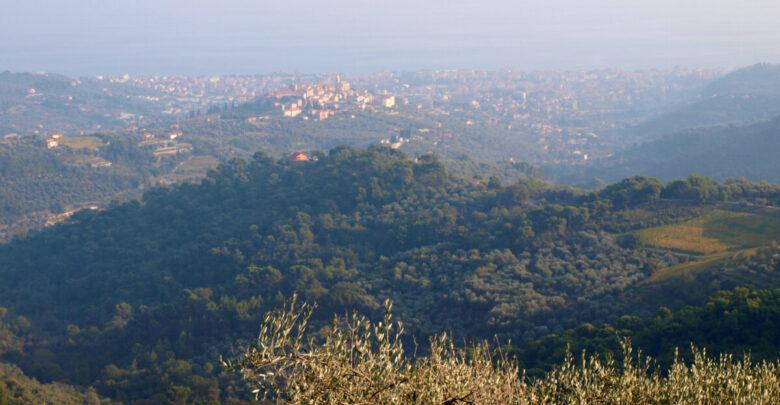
(739, 322)
(161, 288)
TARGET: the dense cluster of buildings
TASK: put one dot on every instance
(308, 96)
(321, 101)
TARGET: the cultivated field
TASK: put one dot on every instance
(82, 142)
(714, 237)
(717, 231)
(196, 166)
(691, 268)
(193, 168)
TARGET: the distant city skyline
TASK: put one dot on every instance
(208, 37)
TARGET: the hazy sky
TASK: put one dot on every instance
(239, 36)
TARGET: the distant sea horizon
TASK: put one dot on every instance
(218, 57)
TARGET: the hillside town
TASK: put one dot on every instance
(322, 100)
(570, 116)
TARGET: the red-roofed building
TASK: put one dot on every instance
(299, 157)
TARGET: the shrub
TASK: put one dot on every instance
(358, 362)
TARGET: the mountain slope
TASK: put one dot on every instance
(720, 152)
(743, 96)
(743, 108)
(761, 78)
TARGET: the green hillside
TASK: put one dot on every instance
(37, 184)
(727, 249)
(162, 287)
(18, 389)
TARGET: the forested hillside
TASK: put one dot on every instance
(163, 286)
(18, 389)
(38, 184)
(739, 322)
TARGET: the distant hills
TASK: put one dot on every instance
(712, 111)
(745, 95)
(723, 151)
(733, 131)
(762, 78)
(46, 102)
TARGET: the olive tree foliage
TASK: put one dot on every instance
(630, 381)
(359, 362)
